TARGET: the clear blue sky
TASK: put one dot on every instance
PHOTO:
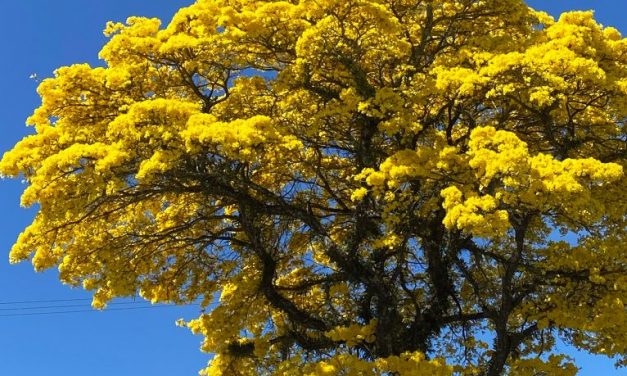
(37, 37)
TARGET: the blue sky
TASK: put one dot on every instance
(37, 37)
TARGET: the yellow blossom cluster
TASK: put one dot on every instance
(349, 187)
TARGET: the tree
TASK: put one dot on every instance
(354, 187)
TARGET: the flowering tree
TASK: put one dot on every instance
(370, 187)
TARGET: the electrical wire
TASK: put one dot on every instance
(45, 301)
(59, 306)
(64, 306)
(83, 310)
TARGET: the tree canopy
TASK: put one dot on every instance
(349, 187)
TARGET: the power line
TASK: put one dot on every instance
(83, 311)
(65, 306)
(45, 301)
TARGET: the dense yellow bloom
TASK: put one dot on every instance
(349, 187)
